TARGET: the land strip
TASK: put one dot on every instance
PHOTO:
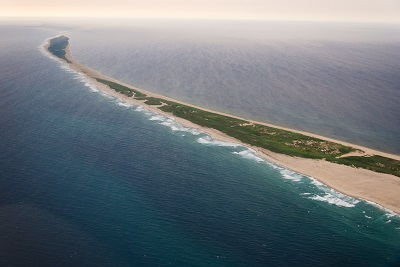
(354, 170)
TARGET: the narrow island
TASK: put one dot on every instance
(353, 170)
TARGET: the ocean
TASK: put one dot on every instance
(87, 180)
(340, 81)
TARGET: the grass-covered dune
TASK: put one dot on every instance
(259, 135)
(273, 139)
(121, 89)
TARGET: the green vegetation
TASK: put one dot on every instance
(121, 89)
(57, 47)
(276, 140)
(153, 101)
(375, 163)
(273, 139)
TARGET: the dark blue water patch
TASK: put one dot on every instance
(83, 177)
(58, 45)
(88, 182)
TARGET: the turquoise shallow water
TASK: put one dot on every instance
(88, 180)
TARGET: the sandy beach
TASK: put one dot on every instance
(382, 189)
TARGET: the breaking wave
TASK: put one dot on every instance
(207, 140)
(331, 196)
(124, 104)
(249, 154)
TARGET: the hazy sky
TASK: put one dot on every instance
(336, 10)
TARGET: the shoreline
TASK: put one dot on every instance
(364, 184)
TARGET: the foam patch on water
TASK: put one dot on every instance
(327, 194)
(81, 78)
(92, 87)
(157, 118)
(123, 104)
(388, 213)
(341, 201)
(66, 68)
(249, 154)
(333, 197)
(174, 126)
(144, 110)
(177, 127)
(168, 122)
(287, 174)
(207, 140)
(290, 175)
(85, 80)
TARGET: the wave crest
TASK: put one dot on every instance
(249, 154)
(207, 140)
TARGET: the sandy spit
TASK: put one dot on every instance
(382, 189)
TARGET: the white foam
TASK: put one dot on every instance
(334, 197)
(92, 87)
(140, 109)
(65, 67)
(317, 183)
(177, 127)
(145, 111)
(207, 140)
(335, 200)
(106, 95)
(45, 53)
(389, 213)
(331, 196)
(123, 104)
(249, 154)
(157, 117)
(170, 123)
(290, 175)
(287, 174)
(82, 78)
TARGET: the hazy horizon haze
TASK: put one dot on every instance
(387, 11)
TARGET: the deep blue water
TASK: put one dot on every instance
(88, 180)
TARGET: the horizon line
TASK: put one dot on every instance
(2, 18)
